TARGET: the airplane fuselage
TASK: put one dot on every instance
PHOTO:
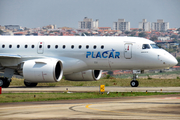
(97, 52)
(77, 53)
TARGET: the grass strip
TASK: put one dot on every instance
(160, 74)
(30, 97)
(108, 82)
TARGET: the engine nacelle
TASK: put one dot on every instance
(42, 70)
(89, 75)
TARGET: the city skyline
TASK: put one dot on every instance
(33, 14)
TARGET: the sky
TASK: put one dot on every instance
(39, 13)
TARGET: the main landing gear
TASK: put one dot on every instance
(4, 82)
(29, 84)
(6, 79)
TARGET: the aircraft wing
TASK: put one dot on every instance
(6, 55)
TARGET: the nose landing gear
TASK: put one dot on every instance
(134, 82)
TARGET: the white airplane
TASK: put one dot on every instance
(41, 59)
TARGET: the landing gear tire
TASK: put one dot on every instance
(4, 82)
(1, 82)
(134, 83)
(28, 84)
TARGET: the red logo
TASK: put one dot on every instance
(128, 48)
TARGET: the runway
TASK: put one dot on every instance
(89, 89)
(149, 107)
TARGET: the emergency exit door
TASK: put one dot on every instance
(40, 48)
(128, 50)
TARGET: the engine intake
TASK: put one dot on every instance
(89, 75)
(42, 70)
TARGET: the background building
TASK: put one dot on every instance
(88, 23)
(160, 25)
(50, 27)
(104, 28)
(144, 25)
(164, 38)
(121, 25)
(13, 27)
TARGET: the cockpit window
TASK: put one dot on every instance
(145, 46)
(154, 46)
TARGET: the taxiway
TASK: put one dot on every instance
(149, 107)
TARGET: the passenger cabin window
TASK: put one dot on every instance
(32, 46)
(40, 46)
(3, 46)
(26, 46)
(154, 46)
(94, 47)
(10, 46)
(145, 46)
(64, 46)
(18, 46)
(48, 46)
(56, 46)
(72, 46)
(87, 46)
(80, 46)
(102, 46)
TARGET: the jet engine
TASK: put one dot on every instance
(89, 75)
(42, 70)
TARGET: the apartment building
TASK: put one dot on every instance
(144, 25)
(121, 25)
(160, 25)
(88, 23)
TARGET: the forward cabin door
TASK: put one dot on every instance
(40, 48)
(128, 50)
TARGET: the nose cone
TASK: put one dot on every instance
(172, 60)
(166, 58)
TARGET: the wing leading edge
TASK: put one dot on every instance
(6, 55)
